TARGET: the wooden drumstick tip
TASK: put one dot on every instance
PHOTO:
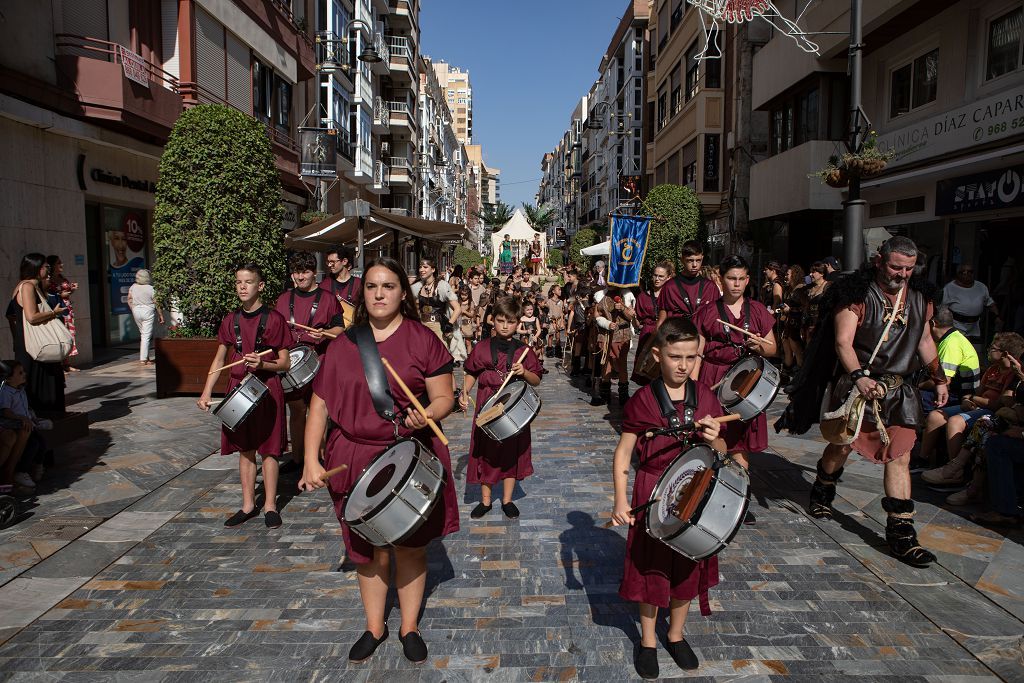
(237, 362)
(331, 472)
(415, 401)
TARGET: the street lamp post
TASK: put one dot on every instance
(853, 225)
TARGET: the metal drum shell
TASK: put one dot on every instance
(403, 506)
(241, 401)
(299, 374)
(760, 397)
(518, 415)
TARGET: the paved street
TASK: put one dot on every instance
(153, 587)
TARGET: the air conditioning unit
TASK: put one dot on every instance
(385, 149)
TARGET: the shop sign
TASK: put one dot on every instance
(994, 118)
(290, 220)
(985, 191)
(100, 175)
(134, 67)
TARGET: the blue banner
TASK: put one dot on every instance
(629, 245)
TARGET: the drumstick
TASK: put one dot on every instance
(745, 332)
(509, 376)
(415, 401)
(731, 417)
(632, 513)
(329, 335)
(330, 473)
(237, 362)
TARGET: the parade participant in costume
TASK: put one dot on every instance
(576, 329)
(242, 334)
(722, 347)
(867, 328)
(556, 321)
(505, 256)
(438, 304)
(791, 316)
(312, 306)
(655, 575)
(342, 283)
(648, 310)
(468, 322)
(614, 314)
(529, 324)
(341, 394)
(492, 461)
(686, 293)
(815, 292)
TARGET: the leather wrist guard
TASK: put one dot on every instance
(935, 372)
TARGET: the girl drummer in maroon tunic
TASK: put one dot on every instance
(492, 461)
(655, 575)
(722, 347)
(310, 305)
(358, 435)
(253, 328)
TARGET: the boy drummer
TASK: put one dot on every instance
(242, 335)
(655, 575)
(492, 461)
(312, 306)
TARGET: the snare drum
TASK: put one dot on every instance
(702, 502)
(749, 387)
(395, 494)
(305, 364)
(521, 402)
(241, 401)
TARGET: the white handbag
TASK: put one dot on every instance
(49, 342)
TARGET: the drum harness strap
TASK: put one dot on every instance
(380, 390)
(312, 311)
(260, 328)
(723, 314)
(509, 349)
(691, 310)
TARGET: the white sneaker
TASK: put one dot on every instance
(23, 479)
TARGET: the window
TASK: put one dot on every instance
(662, 109)
(283, 106)
(638, 93)
(914, 85)
(807, 116)
(663, 25)
(1004, 44)
(262, 90)
(677, 14)
(677, 94)
(713, 67)
(690, 175)
(692, 73)
(782, 127)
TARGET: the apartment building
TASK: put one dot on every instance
(441, 157)
(562, 176)
(943, 84)
(459, 92)
(89, 91)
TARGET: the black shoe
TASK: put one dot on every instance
(597, 400)
(241, 517)
(646, 663)
(413, 647)
(683, 655)
(749, 520)
(366, 646)
(480, 510)
(272, 518)
(510, 510)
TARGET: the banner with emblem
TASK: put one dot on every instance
(628, 247)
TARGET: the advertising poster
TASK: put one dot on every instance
(126, 254)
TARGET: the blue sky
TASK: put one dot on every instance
(529, 62)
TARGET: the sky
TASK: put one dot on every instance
(529, 62)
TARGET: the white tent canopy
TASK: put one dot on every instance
(521, 234)
(601, 249)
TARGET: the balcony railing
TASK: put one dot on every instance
(400, 162)
(399, 107)
(381, 47)
(104, 50)
(399, 47)
(381, 174)
(381, 115)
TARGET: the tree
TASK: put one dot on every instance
(581, 240)
(676, 218)
(540, 217)
(555, 258)
(468, 258)
(218, 205)
(495, 216)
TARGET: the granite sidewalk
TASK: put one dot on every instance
(183, 598)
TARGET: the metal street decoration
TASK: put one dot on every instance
(739, 11)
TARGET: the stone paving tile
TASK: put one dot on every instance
(531, 599)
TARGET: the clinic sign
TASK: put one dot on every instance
(984, 191)
(989, 120)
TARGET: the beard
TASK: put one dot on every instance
(891, 285)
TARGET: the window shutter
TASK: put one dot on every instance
(86, 18)
(239, 78)
(210, 73)
(169, 37)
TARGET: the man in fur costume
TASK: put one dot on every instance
(864, 361)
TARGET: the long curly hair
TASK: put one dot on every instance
(407, 308)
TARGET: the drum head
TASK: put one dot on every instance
(300, 353)
(740, 379)
(509, 395)
(661, 520)
(385, 473)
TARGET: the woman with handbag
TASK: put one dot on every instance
(39, 336)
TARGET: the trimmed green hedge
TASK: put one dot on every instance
(677, 218)
(468, 258)
(554, 258)
(218, 205)
(581, 240)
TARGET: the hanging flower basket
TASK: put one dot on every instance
(835, 177)
(864, 166)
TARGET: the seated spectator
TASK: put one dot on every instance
(1004, 454)
(29, 468)
(958, 358)
(996, 391)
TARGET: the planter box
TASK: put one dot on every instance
(182, 364)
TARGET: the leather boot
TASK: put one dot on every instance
(900, 533)
(623, 393)
(823, 492)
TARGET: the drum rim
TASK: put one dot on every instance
(511, 384)
(758, 360)
(540, 404)
(236, 389)
(657, 484)
(405, 478)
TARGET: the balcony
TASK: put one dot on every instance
(362, 167)
(401, 60)
(779, 184)
(400, 116)
(95, 76)
(401, 171)
(402, 14)
(381, 116)
(381, 178)
(276, 18)
(346, 151)
(380, 45)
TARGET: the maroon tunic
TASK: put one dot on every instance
(263, 430)
(491, 461)
(351, 291)
(359, 434)
(654, 572)
(296, 306)
(699, 291)
(719, 356)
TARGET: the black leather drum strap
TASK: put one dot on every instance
(260, 328)
(668, 410)
(513, 347)
(380, 390)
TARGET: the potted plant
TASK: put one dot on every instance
(312, 216)
(834, 174)
(218, 205)
(869, 161)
